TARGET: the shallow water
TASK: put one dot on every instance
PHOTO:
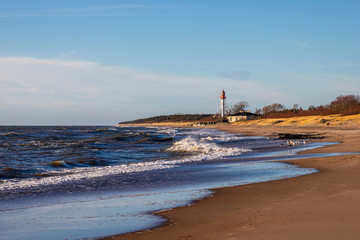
(106, 213)
(86, 182)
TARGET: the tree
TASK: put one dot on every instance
(238, 107)
(345, 104)
(258, 111)
(275, 107)
(296, 107)
(311, 108)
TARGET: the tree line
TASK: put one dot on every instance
(343, 104)
(171, 118)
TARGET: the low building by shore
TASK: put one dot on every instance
(241, 116)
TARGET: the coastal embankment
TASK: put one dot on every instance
(336, 120)
(323, 205)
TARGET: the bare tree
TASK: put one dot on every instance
(345, 104)
(296, 107)
(258, 111)
(238, 107)
(275, 107)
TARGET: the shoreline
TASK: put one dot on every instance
(315, 206)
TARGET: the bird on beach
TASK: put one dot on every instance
(294, 143)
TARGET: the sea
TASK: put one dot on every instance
(87, 182)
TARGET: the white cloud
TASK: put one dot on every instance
(84, 92)
(75, 87)
(236, 75)
(345, 84)
(317, 88)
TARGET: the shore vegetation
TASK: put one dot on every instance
(343, 105)
(173, 118)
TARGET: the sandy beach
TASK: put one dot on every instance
(317, 206)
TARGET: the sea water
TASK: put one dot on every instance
(88, 182)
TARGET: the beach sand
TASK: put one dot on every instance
(324, 205)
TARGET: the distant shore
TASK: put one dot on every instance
(340, 121)
(316, 206)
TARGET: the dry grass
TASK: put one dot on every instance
(329, 120)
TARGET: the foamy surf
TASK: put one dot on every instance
(106, 180)
(191, 148)
(67, 175)
(193, 145)
(204, 151)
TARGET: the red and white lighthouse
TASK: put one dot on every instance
(222, 103)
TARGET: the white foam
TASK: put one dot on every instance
(204, 151)
(223, 138)
(214, 135)
(113, 129)
(192, 145)
(208, 138)
(199, 150)
(66, 175)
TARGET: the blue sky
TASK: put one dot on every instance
(105, 61)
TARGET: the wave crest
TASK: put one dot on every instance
(192, 145)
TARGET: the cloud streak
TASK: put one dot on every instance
(85, 92)
(106, 93)
(300, 44)
(236, 75)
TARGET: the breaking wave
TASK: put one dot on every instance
(66, 175)
(192, 145)
(190, 149)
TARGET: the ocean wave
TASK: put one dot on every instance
(224, 138)
(211, 135)
(169, 131)
(58, 164)
(192, 145)
(10, 134)
(228, 138)
(9, 172)
(160, 149)
(67, 175)
(200, 152)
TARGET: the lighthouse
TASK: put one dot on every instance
(222, 104)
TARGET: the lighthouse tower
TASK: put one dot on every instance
(222, 104)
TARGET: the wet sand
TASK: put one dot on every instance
(317, 206)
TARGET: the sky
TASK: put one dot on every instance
(99, 62)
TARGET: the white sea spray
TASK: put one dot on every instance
(198, 149)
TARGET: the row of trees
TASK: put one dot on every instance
(171, 118)
(344, 104)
